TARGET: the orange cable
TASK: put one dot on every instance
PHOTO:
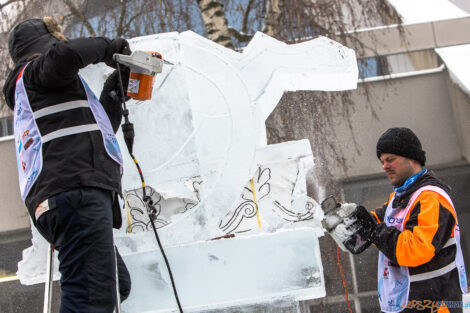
(344, 280)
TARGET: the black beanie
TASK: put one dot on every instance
(401, 141)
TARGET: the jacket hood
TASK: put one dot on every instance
(29, 37)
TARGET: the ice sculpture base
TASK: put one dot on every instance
(231, 272)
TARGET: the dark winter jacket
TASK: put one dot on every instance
(73, 161)
(420, 247)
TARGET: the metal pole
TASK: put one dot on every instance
(49, 279)
(118, 294)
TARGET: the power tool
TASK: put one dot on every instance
(144, 65)
(342, 223)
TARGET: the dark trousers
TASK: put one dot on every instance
(79, 225)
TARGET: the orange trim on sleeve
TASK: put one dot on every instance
(415, 247)
(375, 215)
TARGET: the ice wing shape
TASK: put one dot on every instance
(273, 67)
(206, 118)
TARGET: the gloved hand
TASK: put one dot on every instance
(368, 224)
(118, 45)
(110, 97)
(363, 228)
(112, 86)
(349, 225)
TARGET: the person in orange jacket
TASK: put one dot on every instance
(421, 266)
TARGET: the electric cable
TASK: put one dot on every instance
(128, 131)
(344, 280)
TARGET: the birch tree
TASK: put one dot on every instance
(215, 22)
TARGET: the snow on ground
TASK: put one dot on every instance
(420, 11)
(457, 62)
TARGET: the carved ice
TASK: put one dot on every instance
(201, 143)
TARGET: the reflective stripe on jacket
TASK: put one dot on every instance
(29, 137)
(425, 245)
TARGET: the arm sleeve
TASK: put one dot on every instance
(426, 231)
(112, 107)
(379, 213)
(60, 65)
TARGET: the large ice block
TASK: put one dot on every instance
(220, 273)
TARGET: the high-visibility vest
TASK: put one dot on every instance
(29, 139)
(394, 281)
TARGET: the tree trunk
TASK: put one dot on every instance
(273, 13)
(215, 22)
(79, 14)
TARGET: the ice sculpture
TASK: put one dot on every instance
(201, 142)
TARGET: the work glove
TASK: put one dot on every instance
(367, 222)
(362, 229)
(347, 225)
(110, 97)
(112, 86)
(118, 45)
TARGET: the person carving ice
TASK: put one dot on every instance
(416, 232)
(69, 161)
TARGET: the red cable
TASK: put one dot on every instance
(344, 280)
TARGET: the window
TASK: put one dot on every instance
(370, 67)
(6, 126)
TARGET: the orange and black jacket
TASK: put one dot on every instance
(428, 226)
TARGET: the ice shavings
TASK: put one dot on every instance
(340, 223)
(346, 209)
(32, 267)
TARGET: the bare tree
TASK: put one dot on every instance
(215, 22)
(111, 18)
(230, 23)
(272, 19)
(81, 16)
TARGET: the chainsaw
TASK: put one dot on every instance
(341, 222)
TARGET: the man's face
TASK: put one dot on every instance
(397, 168)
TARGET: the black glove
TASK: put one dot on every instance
(118, 45)
(368, 224)
(364, 229)
(355, 244)
(110, 97)
(112, 88)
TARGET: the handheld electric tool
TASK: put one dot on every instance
(341, 222)
(144, 65)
